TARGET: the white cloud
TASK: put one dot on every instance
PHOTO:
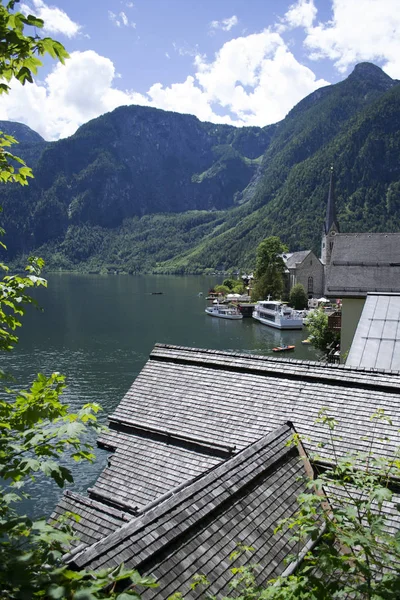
(69, 96)
(225, 24)
(253, 80)
(366, 30)
(56, 20)
(120, 19)
(256, 78)
(300, 14)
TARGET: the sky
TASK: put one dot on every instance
(241, 62)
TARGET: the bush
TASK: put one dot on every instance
(298, 297)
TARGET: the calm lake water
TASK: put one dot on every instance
(99, 331)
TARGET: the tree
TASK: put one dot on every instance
(298, 297)
(270, 268)
(321, 336)
(222, 289)
(36, 428)
(236, 286)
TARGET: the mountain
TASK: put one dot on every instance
(142, 189)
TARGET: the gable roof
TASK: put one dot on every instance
(296, 258)
(95, 519)
(236, 398)
(376, 342)
(143, 468)
(190, 409)
(362, 263)
(196, 529)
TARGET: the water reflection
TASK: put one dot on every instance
(99, 331)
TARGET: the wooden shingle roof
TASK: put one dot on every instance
(190, 410)
(142, 469)
(236, 398)
(196, 529)
(93, 521)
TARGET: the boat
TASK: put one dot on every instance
(306, 342)
(224, 312)
(283, 348)
(277, 314)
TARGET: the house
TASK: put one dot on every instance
(305, 268)
(197, 527)
(360, 263)
(196, 433)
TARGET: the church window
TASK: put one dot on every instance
(310, 285)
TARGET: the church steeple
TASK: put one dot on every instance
(331, 218)
(331, 225)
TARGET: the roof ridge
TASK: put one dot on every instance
(100, 506)
(203, 446)
(189, 489)
(324, 372)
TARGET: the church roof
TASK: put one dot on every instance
(296, 258)
(362, 263)
(376, 342)
(331, 218)
(197, 528)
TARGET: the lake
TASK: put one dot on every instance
(99, 332)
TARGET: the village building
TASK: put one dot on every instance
(305, 268)
(199, 459)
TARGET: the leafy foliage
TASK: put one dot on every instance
(270, 268)
(321, 336)
(38, 433)
(298, 297)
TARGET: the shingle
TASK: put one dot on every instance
(185, 404)
(248, 514)
(94, 520)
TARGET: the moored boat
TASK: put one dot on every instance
(224, 312)
(283, 348)
(276, 314)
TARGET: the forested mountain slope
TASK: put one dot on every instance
(142, 189)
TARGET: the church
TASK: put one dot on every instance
(304, 267)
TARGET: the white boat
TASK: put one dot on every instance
(224, 312)
(276, 314)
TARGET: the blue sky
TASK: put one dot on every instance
(243, 62)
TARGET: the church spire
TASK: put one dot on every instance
(331, 218)
(331, 225)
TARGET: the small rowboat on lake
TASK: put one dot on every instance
(283, 348)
